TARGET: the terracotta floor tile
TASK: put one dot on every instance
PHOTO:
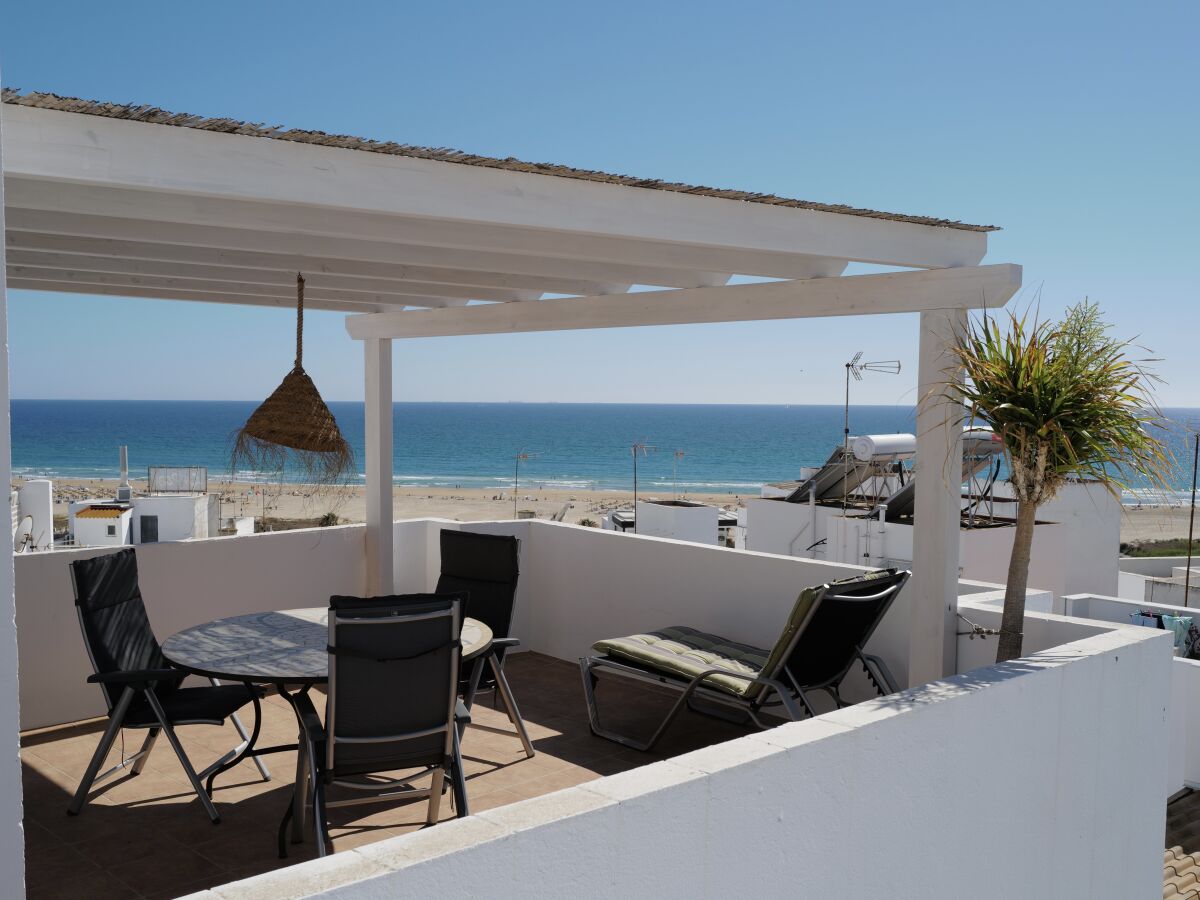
(58, 863)
(151, 836)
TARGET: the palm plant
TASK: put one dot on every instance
(1068, 401)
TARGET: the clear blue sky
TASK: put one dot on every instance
(1074, 126)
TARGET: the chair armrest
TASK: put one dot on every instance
(506, 642)
(462, 715)
(136, 676)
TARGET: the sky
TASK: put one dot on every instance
(1072, 125)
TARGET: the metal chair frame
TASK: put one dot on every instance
(791, 697)
(143, 682)
(315, 780)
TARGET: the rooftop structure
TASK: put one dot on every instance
(116, 200)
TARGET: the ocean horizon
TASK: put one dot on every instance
(724, 448)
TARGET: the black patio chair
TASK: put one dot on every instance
(486, 568)
(141, 689)
(392, 705)
(822, 639)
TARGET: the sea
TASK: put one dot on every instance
(693, 448)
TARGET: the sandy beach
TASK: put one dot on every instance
(298, 502)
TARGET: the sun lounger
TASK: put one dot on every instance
(822, 639)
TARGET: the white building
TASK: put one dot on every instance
(160, 515)
(682, 520)
(1075, 548)
(33, 515)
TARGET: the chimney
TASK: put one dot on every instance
(124, 491)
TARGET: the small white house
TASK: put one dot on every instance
(101, 524)
(681, 520)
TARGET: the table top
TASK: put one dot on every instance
(286, 646)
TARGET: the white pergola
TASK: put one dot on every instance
(414, 243)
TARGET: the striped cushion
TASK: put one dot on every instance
(684, 651)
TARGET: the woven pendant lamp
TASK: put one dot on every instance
(294, 426)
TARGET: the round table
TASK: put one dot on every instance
(285, 648)
(280, 648)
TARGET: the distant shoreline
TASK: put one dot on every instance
(296, 501)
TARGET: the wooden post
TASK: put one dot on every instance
(933, 589)
(378, 444)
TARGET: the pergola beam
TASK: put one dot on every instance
(97, 270)
(155, 206)
(894, 292)
(99, 290)
(144, 258)
(25, 226)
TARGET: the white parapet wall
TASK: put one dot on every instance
(1183, 766)
(577, 585)
(1018, 780)
(183, 584)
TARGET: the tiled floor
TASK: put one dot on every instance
(147, 837)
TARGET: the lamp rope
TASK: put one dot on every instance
(299, 321)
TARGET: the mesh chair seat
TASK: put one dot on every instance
(367, 759)
(192, 706)
(123, 649)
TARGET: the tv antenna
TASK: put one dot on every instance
(675, 458)
(639, 448)
(520, 456)
(854, 369)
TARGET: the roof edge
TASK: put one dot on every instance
(153, 115)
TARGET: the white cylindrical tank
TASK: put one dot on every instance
(35, 500)
(981, 441)
(869, 447)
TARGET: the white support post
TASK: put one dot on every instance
(12, 835)
(378, 397)
(933, 589)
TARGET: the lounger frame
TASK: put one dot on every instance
(791, 697)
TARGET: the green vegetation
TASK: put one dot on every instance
(1067, 400)
(1175, 547)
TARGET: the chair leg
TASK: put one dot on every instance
(144, 753)
(510, 704)
(106, 741)
(589, 690)
(188, 769)
(458, 781)
(473, 684)
(435, 796)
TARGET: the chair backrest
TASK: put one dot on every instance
(829, 626)
(393, 681)
(486, 568)
(116, 629)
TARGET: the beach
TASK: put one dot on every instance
(293, 503)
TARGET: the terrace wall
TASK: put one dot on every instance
(577, 585)
(183, 584)
(1018, 780)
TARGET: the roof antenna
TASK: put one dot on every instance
(855, 368)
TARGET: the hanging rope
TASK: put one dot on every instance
(299, 321)
(293, 428)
